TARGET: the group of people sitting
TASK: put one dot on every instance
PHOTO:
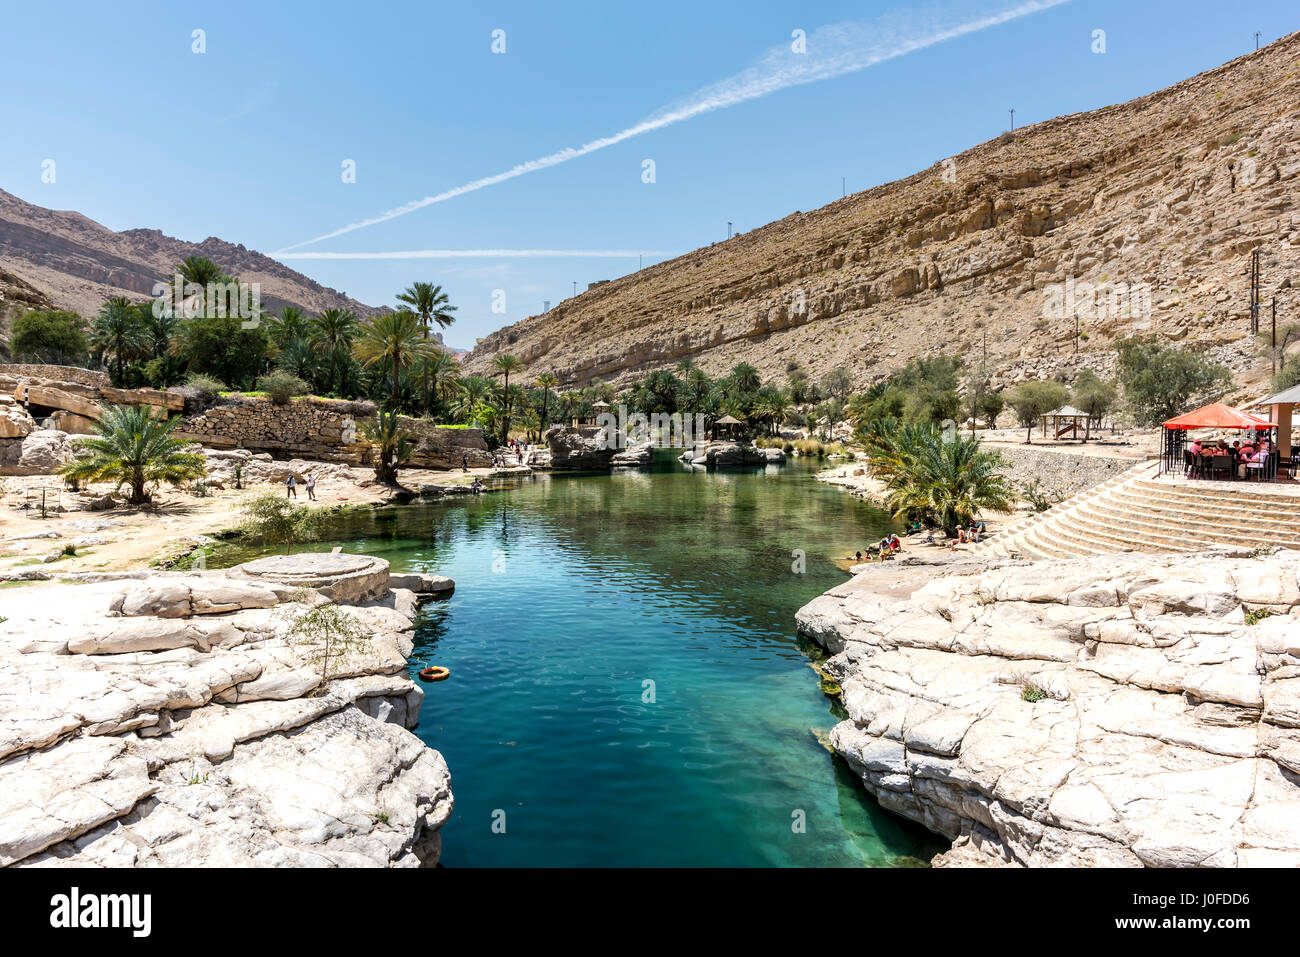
(891, 544)
(887, 547)
(971, 534)
(1242, 456)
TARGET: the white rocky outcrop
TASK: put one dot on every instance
(15, 422)
(258, 468)
(1102, 711)
(38, 452)
(727, 454)
(636, 456)
(191, 720)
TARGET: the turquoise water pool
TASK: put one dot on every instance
(626, 684)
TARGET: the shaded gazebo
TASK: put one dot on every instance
(730, 422)
(1067, 414)
(597, 409)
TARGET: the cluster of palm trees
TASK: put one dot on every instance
(335, 353)
(689, 390)
(942, 480)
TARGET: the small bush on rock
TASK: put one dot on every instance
(274, 518)
(281, 387)
(205, 386)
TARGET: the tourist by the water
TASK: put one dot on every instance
(464, 463)
(290, 487)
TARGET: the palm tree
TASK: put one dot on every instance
(159, 328)
(504, 365)
(394, 446)
(771, 409)
(136, 449)
(435, 369)
(117, 332)
(334, 330)
(300, 358)
(528, 419)
(432, 305)
(745, 378)
(392, 339)
(291, 324)
(546, 382)
(946, 482)
(200, 270)
(474, 391)
(446, 376)
(698, 385)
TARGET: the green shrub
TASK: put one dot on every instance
(204, 388)
(1038, 500)
(280, 386)
(56, 336)
(1031, 693)
(1258, 615)
(275, 520)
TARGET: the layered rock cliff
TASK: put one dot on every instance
(1140, 217)
(201, 719)
(1115, 711)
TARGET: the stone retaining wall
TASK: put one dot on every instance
(312, 429)
(87, 377)
(1060, 473)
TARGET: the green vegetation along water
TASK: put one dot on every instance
(627, 687)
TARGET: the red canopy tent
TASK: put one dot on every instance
(1175, 457)
(1218, 416)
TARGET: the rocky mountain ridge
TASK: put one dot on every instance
(1140, 217)
(77, 263)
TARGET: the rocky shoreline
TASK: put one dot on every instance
(1117, 711)
(258, 716)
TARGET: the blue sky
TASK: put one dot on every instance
(246, 140)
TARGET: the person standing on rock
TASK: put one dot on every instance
(290, 487)
(311, 487)
(464, 463)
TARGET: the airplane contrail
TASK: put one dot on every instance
(831, 51)
(482, 253)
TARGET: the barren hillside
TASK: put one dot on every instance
(1157, 202)
(78, 263)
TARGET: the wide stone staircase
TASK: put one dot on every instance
(1137, 512)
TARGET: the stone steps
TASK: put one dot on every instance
(1121, 511)
(1135, 511)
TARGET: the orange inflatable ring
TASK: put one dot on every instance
(434, 673)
